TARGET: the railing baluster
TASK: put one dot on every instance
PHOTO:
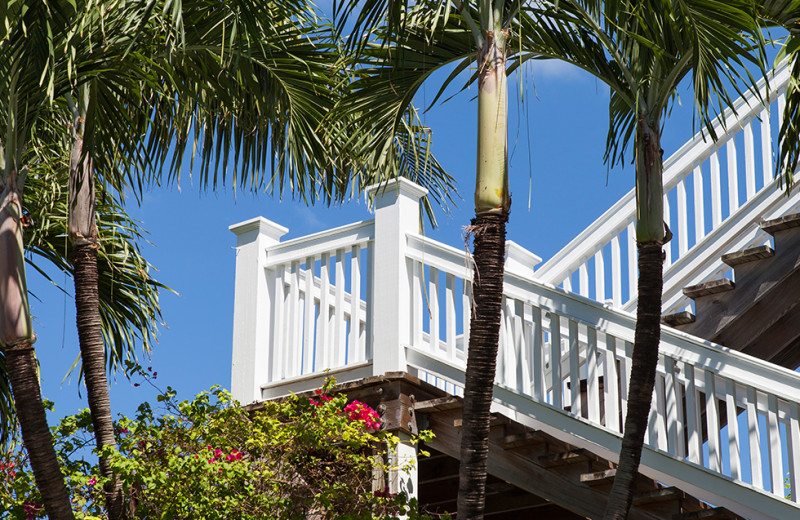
(599, 277)
(793, 445)
(433, 302)
(683, 226)
(749, 161)
(503, 343)
(308, 318)
(323, 323)
(616, 271)
(733, 430)
(781, 107)
(555, 359)
(583, 277)
(574, 369)
(774, 446)
(693, 427)
(633, 266)
(278, 347)
(355, 348)
(514, 357)
(340, 332)
(699, 208)
(611, 384)
(528, 351)
(466, 299)
(712, 422)
(293, 346)
(450, 315)
(671, 406)
(754, 437)
(733, 177)
(766, 146)
(592, 375)
(567, 283)
(716, 195)
(625, 379)
(538, 388)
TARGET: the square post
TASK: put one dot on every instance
(396, 205)
(252, 307)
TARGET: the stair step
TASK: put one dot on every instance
(678, 318)
(565, 457)
(748, 255)
(510, 442)
(706, 288)
(657, 495)
(494, 420)
(779, 224)
(716, 513)
(597, 478)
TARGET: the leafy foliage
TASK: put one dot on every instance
(210, 459)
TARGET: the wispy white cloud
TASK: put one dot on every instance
(555, 69)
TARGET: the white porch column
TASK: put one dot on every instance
(251, 307)
(396, 206)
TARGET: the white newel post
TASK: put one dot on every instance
(396, 206)
(251, 307)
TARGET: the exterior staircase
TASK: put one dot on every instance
(386, 311)
(758, 314)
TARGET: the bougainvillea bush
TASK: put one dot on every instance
(210, 459)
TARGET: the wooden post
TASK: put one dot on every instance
(396, 206)
(252, 310)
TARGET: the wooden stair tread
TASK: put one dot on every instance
(597, 478)
(565, 457)
(748, 255)
(678, 318)
(779, 224)
(657, 495)
(715, 513)
(707, 288)
(440, 404)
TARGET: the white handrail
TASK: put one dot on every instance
(610, 239)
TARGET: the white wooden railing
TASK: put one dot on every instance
(715, 194)
(376, 296)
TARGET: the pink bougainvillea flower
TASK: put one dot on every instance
(92, 482)
(358, 411)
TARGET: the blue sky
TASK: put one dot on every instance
(563, 109)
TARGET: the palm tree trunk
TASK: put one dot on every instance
(650, 235)
(489, 232)
(16, 338)
(83, 235)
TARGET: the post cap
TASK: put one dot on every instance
(398, 185)
(262, 226)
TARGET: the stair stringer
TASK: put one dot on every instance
(739, 497)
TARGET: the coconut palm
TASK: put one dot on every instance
(642, 50)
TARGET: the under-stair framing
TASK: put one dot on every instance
(724, 429)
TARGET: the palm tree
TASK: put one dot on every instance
(786, 14)
(650, 47)
(252, 76)
(642, 50)
(422, 39)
